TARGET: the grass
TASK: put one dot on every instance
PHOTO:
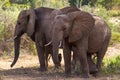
(115, 38)
(112, 65)
(114, 13)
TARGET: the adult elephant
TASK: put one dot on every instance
(74, 29)
(36, 23)
(91, 39)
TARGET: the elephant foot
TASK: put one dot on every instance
(67, 75)
(42, 69)
(85, 75)
(94, 71)
(98, 74)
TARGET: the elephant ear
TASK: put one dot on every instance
(75, 33)
(81, 24)
(31, 22)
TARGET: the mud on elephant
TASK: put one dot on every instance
(36, 23)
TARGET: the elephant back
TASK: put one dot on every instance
(66, 10)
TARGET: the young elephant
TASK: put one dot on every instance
(74, 29)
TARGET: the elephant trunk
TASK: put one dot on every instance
(56, 39)
(55, 53)
(16, 50)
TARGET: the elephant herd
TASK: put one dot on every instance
(79, 31)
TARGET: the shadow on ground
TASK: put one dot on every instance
(30, 74)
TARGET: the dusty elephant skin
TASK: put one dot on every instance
(36, 23)
(74, 29)
(97, 44)
(29, 21)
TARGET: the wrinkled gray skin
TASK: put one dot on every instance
(33, 22)
(36, 23)
(98, 41)
(74, 29)
(97, 45)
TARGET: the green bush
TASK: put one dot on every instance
(111, 25)
(115, 38)
(51, 3)
(97, 10)
(87, 8)
(114, 13)
(7, 24)
(1, 31)
(108, 4)
(112, 65)
(102, 12)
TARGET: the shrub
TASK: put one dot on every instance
(8, 17)
(112, 65)
(108, 4)
(1, 31)
(87, 8)
(115, 38)
(97, 10)
(102, 12)
(114, 13)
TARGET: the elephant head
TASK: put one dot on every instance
(72, 26)
(25, 24)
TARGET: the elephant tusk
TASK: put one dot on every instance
(48, 43)
(60, 44)
(15, 37)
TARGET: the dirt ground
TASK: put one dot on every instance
(27, 69)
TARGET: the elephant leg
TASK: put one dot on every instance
(74, 60)
(82, 55)
(41, 57)
(67, 57)
(84, 64)
(100, 56)
(92, 66)
(46, 56)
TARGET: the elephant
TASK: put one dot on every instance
(93, 38)
(31, 22)
(73, 29)
(97, 45)
(36, 23)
